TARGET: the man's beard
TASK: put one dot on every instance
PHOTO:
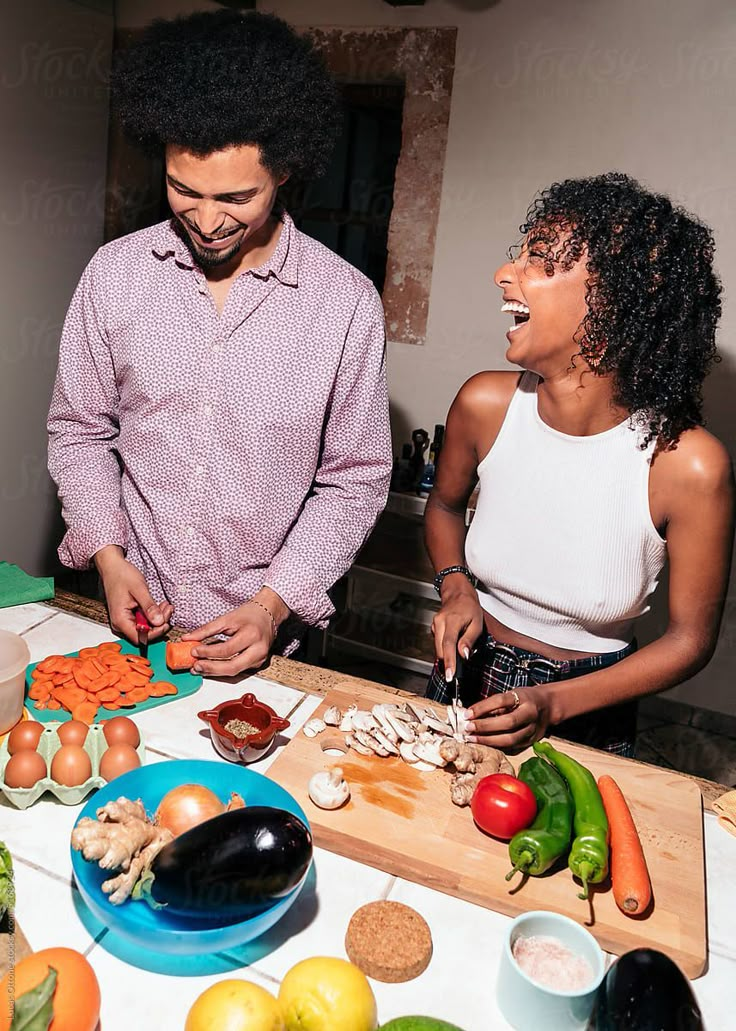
(206, 257)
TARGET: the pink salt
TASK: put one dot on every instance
(550, 963)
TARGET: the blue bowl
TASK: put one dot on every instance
(156, 929)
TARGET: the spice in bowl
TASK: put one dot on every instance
(241, 728)
(550, 963)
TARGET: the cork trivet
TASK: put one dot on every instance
(389, 941)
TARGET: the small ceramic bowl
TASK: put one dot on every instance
(528, 1004)
(250, 747)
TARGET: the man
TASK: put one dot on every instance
(219, 428)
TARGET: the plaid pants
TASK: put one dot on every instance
(494, 668)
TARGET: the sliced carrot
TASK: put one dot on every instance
(81, 678)
(97, 685)
(112, 677)
(98, 666)
(40, 705)
(139, 694)
(87, 653)
(160, 688)
(632, 887)
(111, 706)
(63, 678)
(85, 712)
(39, 692)
(110, 694)
(49, 665)
(66, 665)
(38, 674)
(179, 654)
(109, 646)
(53, 704)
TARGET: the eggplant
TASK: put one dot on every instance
(232, 866)
(645, 990)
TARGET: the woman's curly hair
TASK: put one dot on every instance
(213, 80)
(653, 296)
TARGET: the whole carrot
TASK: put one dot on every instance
(632, 888)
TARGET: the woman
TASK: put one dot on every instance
(594, 469)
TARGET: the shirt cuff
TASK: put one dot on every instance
(300, 589)
(80, 545)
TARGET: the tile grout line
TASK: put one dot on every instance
(41, 622)
(67, 881)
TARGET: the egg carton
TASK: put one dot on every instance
(95, 745)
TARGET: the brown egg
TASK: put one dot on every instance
(24, 769)
(24, 735)
(71, 766)
(74, 732)
(121, 731)
(118, 759)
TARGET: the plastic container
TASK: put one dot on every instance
(252, 747)
(14, 657)
(94, 745)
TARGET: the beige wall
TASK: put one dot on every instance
(547, 91)
(54, 61)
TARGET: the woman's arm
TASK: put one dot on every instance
(472, 425)
(695, 488)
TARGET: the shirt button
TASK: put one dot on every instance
(208, 409)
(217, 348)
(199, 470)
(189, 531)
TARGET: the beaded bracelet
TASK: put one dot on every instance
(252, 601)
(452, 569)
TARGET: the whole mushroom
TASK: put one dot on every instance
(328, 789)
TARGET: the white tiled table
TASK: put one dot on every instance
(459, 984)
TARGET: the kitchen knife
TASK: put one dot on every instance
(143, 627)
(459, 669)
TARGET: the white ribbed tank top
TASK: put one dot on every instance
(562, 541)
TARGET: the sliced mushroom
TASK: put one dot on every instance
(363, 720)
(346, 723)
(428, 752)
(332, 716)
(385, 741)
(352, 742)
(384, 723)
(438, 726)
(368, 741)
(403, 731)
(313, 727)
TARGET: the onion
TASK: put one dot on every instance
(186, 806)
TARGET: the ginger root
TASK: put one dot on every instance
(462, 787)
(466, 758)
(121, 838)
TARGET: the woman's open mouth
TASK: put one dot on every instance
(519, 311)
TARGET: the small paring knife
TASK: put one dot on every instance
(143, 627)
(459, 670)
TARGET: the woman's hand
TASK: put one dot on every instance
(125, 591)
(500, 723)
(250, 630)
(458, 624)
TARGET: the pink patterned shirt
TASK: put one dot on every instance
(222, 451)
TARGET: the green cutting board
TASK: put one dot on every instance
(185, 682)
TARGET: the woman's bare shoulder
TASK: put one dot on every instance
(487, 392)
(699, 463)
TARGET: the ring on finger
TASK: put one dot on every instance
(517, 701)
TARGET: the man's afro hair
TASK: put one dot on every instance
(213, 80)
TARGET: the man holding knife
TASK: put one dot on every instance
(219, 425)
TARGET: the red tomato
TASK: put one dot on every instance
(502, 805)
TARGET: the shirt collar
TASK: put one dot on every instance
(283, 263)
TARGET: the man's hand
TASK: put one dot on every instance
(125, 591)
(251, 631)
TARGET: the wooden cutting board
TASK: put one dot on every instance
(402, 821)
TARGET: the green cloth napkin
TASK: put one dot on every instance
(18, 588)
